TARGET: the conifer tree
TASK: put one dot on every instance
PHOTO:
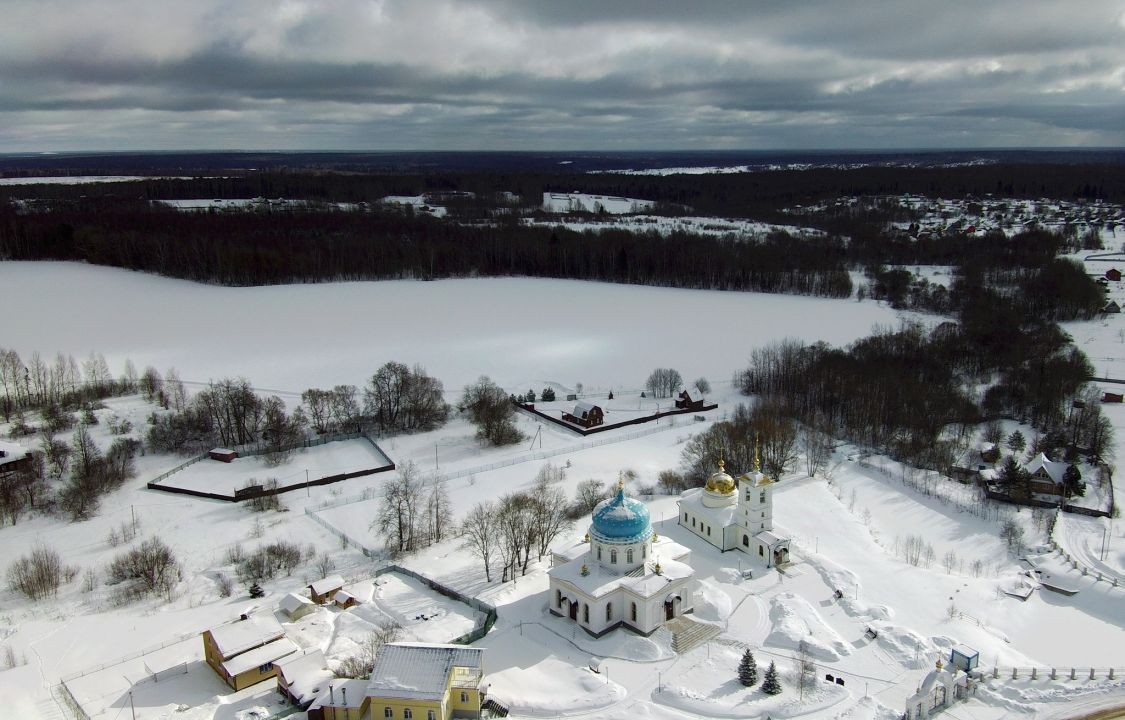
(256, 591)
(748, 669)
(771, 685)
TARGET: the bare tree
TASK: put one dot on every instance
(318, 407)
(362, 663)
(663, 382)
(513, 516)
(37, 574)
(491, 410)
(439, 509)
(152, 565)
(174, 387)
(806, 669)
(548, 508)
(480, 530)
(702, 385)
(587, 495)
(817, 446)
(399, 509)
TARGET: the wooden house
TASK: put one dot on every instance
(423, 680)
(222, 454)
(344, 700)
(1109, 397)
(302, 678)
(1113, 274)
(244, 652)
(344, 599)
(1111, 308)
(13, 458)
(322, 591)
(685, 402)
(1046, 475)
(585, 414)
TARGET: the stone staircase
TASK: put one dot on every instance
(688, 634)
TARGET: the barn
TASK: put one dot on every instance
(222, 454)
(585, 414)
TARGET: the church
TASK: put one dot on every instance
(621, 573)
(732, 514)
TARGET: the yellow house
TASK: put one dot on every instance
(422, 681)
(244, 652)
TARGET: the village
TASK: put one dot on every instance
(862, 586)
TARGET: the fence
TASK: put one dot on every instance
(1054, 673)
(71, 704)
(480, 629)
(602, 428)
(341, 535)
(256, 449)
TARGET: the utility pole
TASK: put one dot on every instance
(131, 708)
(133, 516)
(308, 493)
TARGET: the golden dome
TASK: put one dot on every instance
(720, 481)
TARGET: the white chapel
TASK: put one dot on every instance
(732, 514)
(621, 573)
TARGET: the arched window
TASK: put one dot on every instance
(585, 613)
(388, 713)
(685, 517)
(629, 556)
(599, 552)
(762, 497)
(431, 715)
(644, 551)
(761, 552)
(408, 714)
(746, 540)
(609, 612)
(693, 522)
(613, 556)
(558, 598)
(633, 611)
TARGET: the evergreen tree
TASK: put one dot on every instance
(748, 669)
(771, 685)
(256, 591)
(1072, 480)
(1016, 442)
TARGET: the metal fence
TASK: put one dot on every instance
(480, 628)
(72, 706)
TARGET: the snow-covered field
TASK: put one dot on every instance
(844, 523)
(715, 227)
(585, 202)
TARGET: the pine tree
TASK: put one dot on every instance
(256, 591)
(748, 669)
(771, 685)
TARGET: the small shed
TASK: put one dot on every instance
(222, 454)
(1113, 274)
(1110, 397)
(685, 402)
(585, 414)
(345, 599)
(323, 590)
(1111, 308)
(295, 606)
(964, 658)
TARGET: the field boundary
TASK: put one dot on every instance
(530, 408)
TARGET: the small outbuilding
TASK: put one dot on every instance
(964, 658)
(302, 678)
(1113, 274)
(585, 414)
(1109, 397)
(1111, 308)
(685, 402)
(345, 599)
(294, 606)
(222, 454)
(322, 591)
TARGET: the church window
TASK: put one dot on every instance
(629, 556)
(644, 551)
(633, 611)
(746, 540)
(708, 531)
(585, 613)
(685, 517)
(558, 598)
(761, 552)
(609, 612)
(762, 497)
(693, 522)
(613, 556)
(599, 552)
(763, 514)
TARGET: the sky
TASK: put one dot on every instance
(560, 75)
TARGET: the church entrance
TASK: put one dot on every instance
(781, 556)
(671, 605)
(574, 610)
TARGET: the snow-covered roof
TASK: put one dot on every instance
(768, 539)
(692, 501)
(757, 478)
(293, 602)
(242, 635)
(342, 596)
(268, 653)
(600, 581)
(341, 693)
(221, 451)
(419, 671)
(581, 407)
(332, 582)
(306, 675)
(1054, 470)
(10, 452)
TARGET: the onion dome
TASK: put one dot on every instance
(621, 519)
(720, 481)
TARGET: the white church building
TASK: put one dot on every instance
(621, 574)
(732, 515)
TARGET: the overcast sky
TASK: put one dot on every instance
(560, 74)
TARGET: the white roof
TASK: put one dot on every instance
(1054, 470)
(306, 675)
(419, 671)
(332, 582)
(12, 452)
(344, 596)
(720, 517)
(268, 653)
(582, 407)
(600, 581)
(768, 539)
(293, 602)
(335, 692)
(242, 635)
(222, 451)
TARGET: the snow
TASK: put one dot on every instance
(242, 635)
(419, 672)
(584, 202)
(419, 203)
(271, 652)
(332, 582)
(662, 225)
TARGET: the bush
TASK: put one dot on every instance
(37, 575)
(225, 585)
(152, 565)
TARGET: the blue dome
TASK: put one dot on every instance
(621, 518)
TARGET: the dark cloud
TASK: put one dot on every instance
(495, 74)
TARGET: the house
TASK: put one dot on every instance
(423, 681)
(621, 574)
(341, 700)
(13, 458)
(323, 590)
(735, 515)
(1046, 475)
(1113, 274)
(294, 606)
(1111, 308)
(244, 652)
(585, 414)
(222, 454)
(344, 599)
(302, 678)
(685, 402)
(1109, 397)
